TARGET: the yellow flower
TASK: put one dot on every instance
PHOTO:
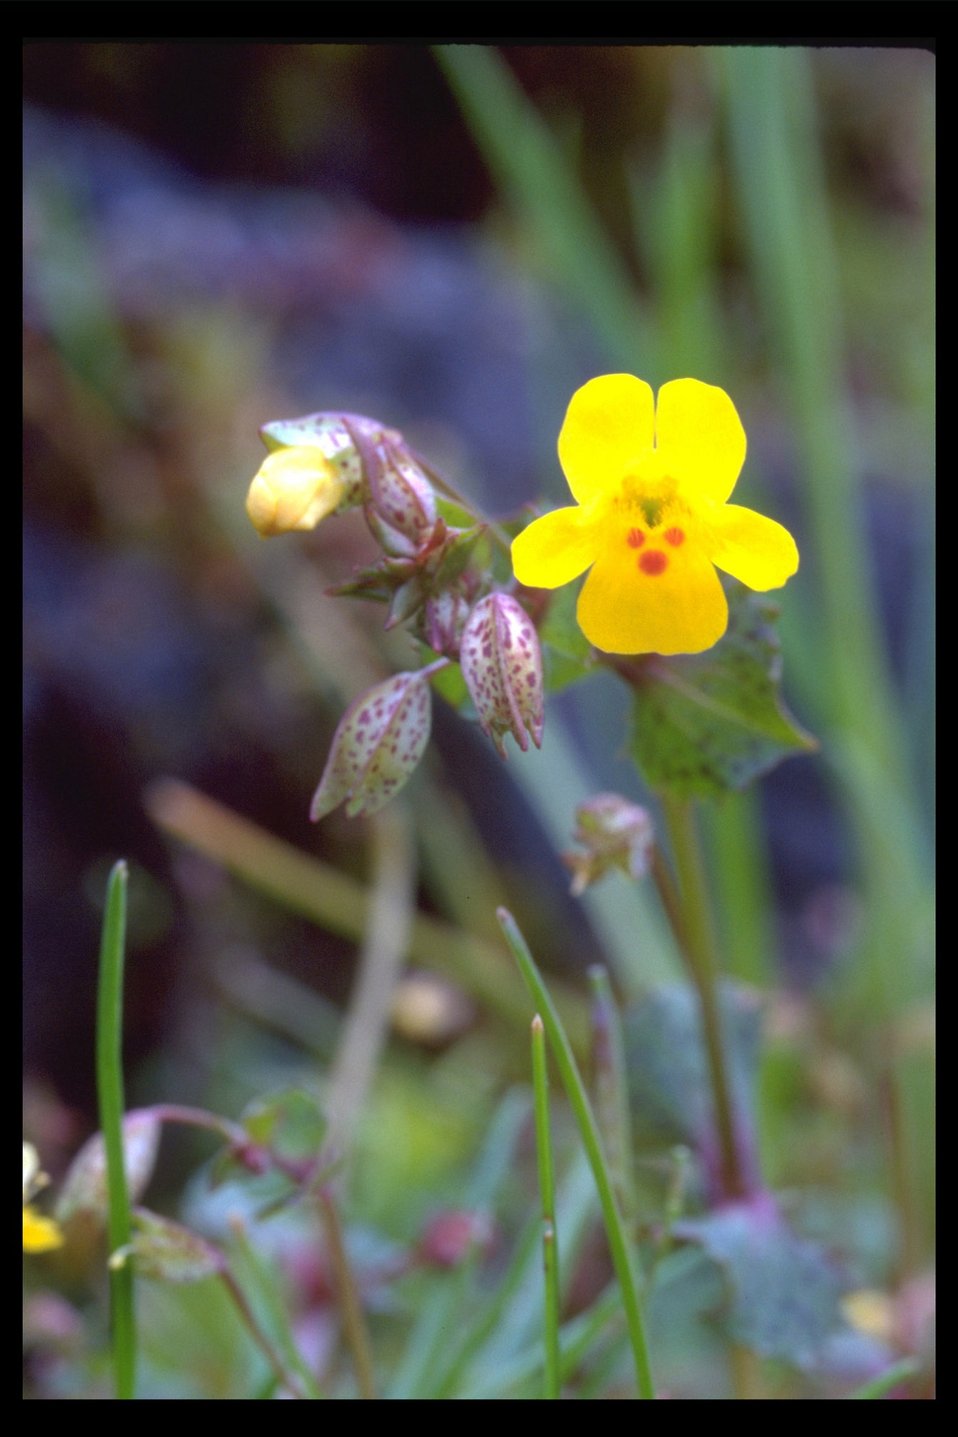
(294, 489)
(40, 1234)
(651, 521)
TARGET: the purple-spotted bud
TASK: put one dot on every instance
(84, 1188)
(502, 665)
(379, 741)
(614, 833)
(443, 621)
(401, 509)
(294, 489)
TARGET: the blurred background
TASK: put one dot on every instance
(217, 235)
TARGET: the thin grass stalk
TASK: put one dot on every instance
(881, 1385)
(280, 1372)
(109, 1080)
(619, 1244)
(550, 1250)
(545, 194)
(610, 1083)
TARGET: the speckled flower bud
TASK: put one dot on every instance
(614, 833)
(444, 618)
(294, 489)
(502, 665)
(379, 741)
(84, 1188)
(401, 509)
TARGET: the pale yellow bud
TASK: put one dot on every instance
(294, 489)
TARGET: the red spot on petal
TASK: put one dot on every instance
(675, 537)
(654, 562)
(635, 539)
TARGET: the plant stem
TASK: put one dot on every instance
(550, 1251)
(346, 1290)
(619, 1244)
(109, 1078)
(695, 934)
(746, 1373)
(902, 1179)
(385, 943)
(229, 1131)
(248, 1317)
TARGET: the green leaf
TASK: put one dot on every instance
(707, 723)
(170, 1252)
(566, 652)
(669, 1083)
(449, 683)
(783, 1290)
(289, 1123)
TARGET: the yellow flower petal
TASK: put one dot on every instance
(294, 489)
(609, 424)
(40, 1234)
(758, 551)
(701, 438)
(555, 549)
(655, 599)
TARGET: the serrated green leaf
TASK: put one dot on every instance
(567, 654)
(668, 1073)
(704, 724)
(290, 1123)
(783, 1290)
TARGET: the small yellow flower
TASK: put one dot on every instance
(40, 1234)
(294, 489)
(651, 521)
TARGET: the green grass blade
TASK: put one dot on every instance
(611, 1089)
(778, 168)
(253, 1275)
(544, 193)
(550, 1250)
(885, 1381)
(109, 1078)
(430, 1366)
(619, 1243)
